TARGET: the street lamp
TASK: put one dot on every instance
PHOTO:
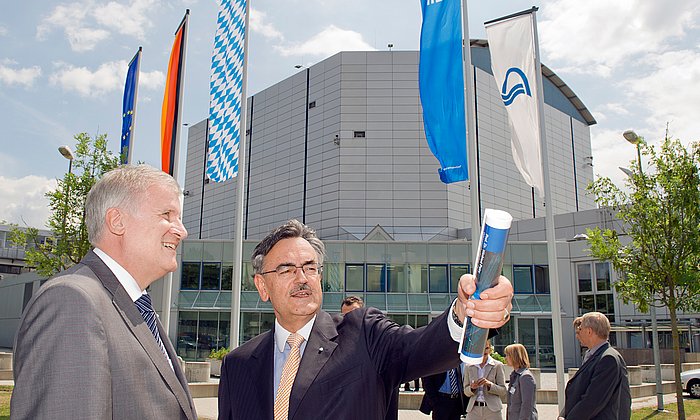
(68, 154)
(633, 138)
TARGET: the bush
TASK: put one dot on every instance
(498, 357)
(219, 354)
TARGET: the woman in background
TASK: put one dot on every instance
(522, 391)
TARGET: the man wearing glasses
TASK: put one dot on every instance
(316, 366)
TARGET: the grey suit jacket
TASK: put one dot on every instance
(83, 351)
(495, 374)
(600, 389)
(522, 396)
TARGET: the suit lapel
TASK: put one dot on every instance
(134, 321)
(263, 365)
(318, 350)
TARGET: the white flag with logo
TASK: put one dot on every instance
(514, 64)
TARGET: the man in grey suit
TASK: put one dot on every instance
(89, 345)
(600, 388)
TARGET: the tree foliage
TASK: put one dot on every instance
(657, 250)
(69, 242)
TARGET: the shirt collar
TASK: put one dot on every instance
(594, 349)
(126, 280)
(281, 335)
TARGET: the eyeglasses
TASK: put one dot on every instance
(288, 271)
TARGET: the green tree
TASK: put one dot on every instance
(69, 242)
(657, 250)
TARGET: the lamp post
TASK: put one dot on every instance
(634, 139)
(68, 154)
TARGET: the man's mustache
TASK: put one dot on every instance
(303, 287)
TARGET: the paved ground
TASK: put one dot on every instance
(207, 407)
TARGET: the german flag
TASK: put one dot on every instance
(172, 100)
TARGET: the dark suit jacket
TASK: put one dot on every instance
(600, 389)
(431, 386)
(350, 367)
(83, 351)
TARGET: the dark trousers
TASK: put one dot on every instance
(447, 408)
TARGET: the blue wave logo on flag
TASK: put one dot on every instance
(518, 88)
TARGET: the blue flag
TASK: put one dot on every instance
(129, 108)
(441, 85)
(226, 100)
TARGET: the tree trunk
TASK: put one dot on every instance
(676, 357)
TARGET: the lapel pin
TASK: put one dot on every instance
(320, 349)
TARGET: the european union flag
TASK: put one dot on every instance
(129, 107)
(441, 85)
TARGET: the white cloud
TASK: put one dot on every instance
(70, 19)
(3, 30)
(18, 76)
(596, 36)
(108, 77)
(86, 23)
(23, 200)
(327, 42)
(131, 19)
(670, 92)
(258, 24)
(150, 79)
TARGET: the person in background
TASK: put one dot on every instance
(522, 390)
(444, 397)
(485, 384)
(600, 389)
(351, 303)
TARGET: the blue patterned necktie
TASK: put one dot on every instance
(143, 303)
(454, 386)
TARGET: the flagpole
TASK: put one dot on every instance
(240, 196)
(550, 229)
(133, 118)
(470, 116)
(168, 287)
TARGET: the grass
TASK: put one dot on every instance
(5, 394)
(692, 411)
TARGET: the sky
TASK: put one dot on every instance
(635, 64)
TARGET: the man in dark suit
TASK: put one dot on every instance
(316, 366)
(600, 389)
(439, 399)
(89, 345)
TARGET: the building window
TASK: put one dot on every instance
(332, 277)
(594, 289)
(456, 271)
(437, 275)
(359, 134)
(397, 278)
(312, 104)
(531, 279)
(376, 278)
(354, 277)
(211, 275)
(227, 277)
(522, 279)
(190, 276)
(417, 278)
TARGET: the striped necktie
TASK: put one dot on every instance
(289, 372)
(143, 303)
(454, 386)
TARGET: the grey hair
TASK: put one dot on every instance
(123, 187)
(597, 322)
(291, 229)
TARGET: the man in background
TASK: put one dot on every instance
(600, 388)
(351, 303)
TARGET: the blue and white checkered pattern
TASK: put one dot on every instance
(226, 91)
